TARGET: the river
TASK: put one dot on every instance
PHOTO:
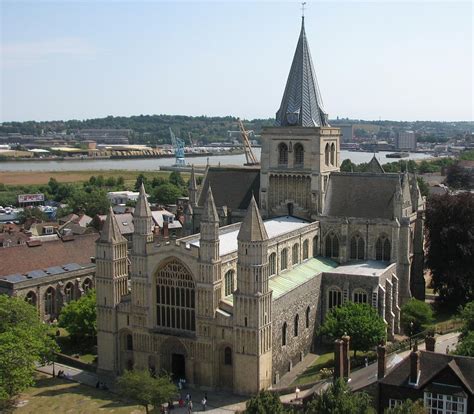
(150, 164)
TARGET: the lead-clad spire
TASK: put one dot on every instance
(302, 104)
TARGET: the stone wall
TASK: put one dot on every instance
(285, 309)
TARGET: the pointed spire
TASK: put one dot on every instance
(209, 215)
(252, 228)
(142, 208)
(192, 181)
(302, 104)
(375, 166)
(111, 231)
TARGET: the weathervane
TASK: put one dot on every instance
(302, 9)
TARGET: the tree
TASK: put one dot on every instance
(146, 390)
(33, 213)
(141, 179)
(79, 317)
(348, 166)
(358, 320)
(423, 186)
(91, 201)
(166, 194)
(265, 402)
(466, 345)
(24, 341)
(450, 245)
(110, 182)
(458, 177)
(176, 179)
(407, 407)
(466, 315)
(120, 181)
(416, 316)
(338, 399)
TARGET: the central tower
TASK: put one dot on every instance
(300, 152)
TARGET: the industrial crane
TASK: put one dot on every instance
(178, 145)
(249, 154)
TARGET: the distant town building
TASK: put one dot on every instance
(406, 140)
(122, 197)
(104, 135)
(347, 132)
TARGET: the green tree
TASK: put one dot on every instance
(450, 245)
(358, 320)
(338, 399)
(110, 182)
(166, 194)
(265, 402)
(407, 407)
(458, 177)
(79, 318)
(466, 345)
(146, 390)
(157, 181)
(466, 315)
(24, 341)
(138, 182)
(31, 214)
(423, 186)
(416, 316)
(348, 166)
(91, 202)
(176, 179)
(120, 181)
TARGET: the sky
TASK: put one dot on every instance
(374, 60)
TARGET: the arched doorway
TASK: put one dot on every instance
(225, 364)
(174, 355)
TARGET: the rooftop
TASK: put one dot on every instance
(366, 268)
(35, 274)
(274, 227)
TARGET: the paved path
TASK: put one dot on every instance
(287, 379)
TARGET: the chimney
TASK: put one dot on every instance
(430, 343)
(346, 356)
(414, 365)
(165, 229)
(338, 363)
(381, 361)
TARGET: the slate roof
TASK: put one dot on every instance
(375, 166)
(302, 99)
(231, 186)
(365, 195)
(431, 364)
(23, 259)
(124, 222)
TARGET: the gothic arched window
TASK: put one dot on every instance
(87, 284)
(305, 249)
(50, 301)
(31, 298)
(332, 245)
(69, 292)
(357, 248)
(326, 154)
(175, 297)
(333, 154)
(315, 246)
(283, 333)
(282, 154)
(383, 249)
(229, 283)
(297, 321)
(227, 356)
(359, 296)
(284, 259)
(299, 155)
(334, 297)
(295, 253)
(307, 316)
(272, 263)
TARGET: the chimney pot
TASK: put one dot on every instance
(430, 343)
(346, 356)
(414, 365)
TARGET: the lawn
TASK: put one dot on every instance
(50, 395)
(70, 347)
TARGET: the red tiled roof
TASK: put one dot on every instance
(22, 259)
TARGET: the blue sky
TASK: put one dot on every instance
(390, 60)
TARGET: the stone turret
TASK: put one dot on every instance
(142, 223)
(111, 285)
(192, 188)
(253, 306)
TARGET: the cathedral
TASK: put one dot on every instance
(269, 250)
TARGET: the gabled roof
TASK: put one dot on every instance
(231, 186)
(375, 166)
(142, 208)
(252, 228)
(431, 364)
(302, 104)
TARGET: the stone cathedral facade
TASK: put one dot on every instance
(236, 303)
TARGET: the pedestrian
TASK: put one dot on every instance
(190, 406)
(297, 392)
(203, 403)
(447, 349)
(366, 361)
(188, 397)
(205, 395)
(180, 385)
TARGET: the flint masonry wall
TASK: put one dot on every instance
(284, 310)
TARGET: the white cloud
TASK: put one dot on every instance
(28, 53)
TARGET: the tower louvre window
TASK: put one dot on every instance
(299, 155)
(282, 154)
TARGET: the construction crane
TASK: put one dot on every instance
(249, 154)
(178, 145)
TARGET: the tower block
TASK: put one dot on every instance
(252, 307)
(111, 284)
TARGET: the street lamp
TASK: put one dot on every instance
(411, 331)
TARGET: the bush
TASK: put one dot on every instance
(416, 316)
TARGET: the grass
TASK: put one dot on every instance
(72, 348)
(50, 395)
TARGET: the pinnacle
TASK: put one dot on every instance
(209, 214)
(142, 208)
(252, 228)
(111, 231)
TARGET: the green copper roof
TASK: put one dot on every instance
(287, 281)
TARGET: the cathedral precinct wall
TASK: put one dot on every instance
(285, 309)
